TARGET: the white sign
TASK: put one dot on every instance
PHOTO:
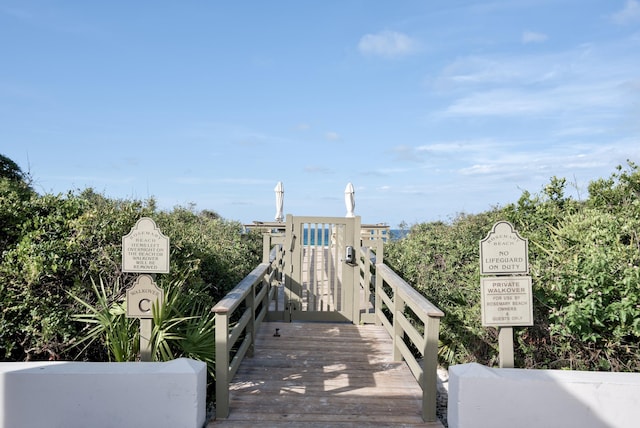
(503, 251)
(145, 249)
(506, 301)
(142, 296)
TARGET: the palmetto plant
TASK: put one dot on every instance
(183, 325)
(106, 324)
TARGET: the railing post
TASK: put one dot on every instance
(290, 246)
(251, 325)
(277, 266)
(430, 369)
(266, 247)
(378, 279)
(222, 365)
(366, 280)
(398, 332)
(355, 271)
(378, 290)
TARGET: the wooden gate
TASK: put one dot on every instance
(320, 269)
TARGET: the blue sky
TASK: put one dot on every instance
(430, 108)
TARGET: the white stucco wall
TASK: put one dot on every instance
(81, 395)
(484, 397)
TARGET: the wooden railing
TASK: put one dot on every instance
(380, 232)
(410, 319)
(238, 316)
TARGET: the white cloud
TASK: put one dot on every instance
(509, 102)
(589, 79)
(479, 169)
(533, 37)
(518, 69)
(531, 164)
(332, 136)
(388, 44)
(316, 169)
(629, 14)
(456, 147)
(501, 102)
(406, 153)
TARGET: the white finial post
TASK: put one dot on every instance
(279, 189)
(349, 200)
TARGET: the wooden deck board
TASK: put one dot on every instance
(323, 375)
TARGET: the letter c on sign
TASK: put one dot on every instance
(147, 303)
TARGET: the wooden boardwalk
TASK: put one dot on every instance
(323, 375)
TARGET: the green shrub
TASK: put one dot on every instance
(442, 262)
(54, 245)
(584, 258)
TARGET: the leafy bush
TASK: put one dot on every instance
(594, 289)
(441, 261)
(54, 246)
(584, 258)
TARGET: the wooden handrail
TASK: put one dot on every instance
(256, 293)
(416, 301)
(374, 274)
(402, 329)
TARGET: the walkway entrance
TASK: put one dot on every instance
(323, 375)
(330, 270)
(320, 273)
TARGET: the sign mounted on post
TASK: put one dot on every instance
(506, 301)
(142, 296)
(504, 252)
(145, 249)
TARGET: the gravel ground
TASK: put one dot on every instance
(442, 396)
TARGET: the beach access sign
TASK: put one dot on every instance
(145, 249)
(506, 296)
(503, 251)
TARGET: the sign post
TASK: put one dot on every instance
(141, 298)
(506, 296)
(145, 250)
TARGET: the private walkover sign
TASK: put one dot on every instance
(506, 297)
(506, 301)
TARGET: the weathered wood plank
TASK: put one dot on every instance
(323, 375)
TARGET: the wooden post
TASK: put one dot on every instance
(505, 347)
(378, 281)
(266, 247)
(398, 332)
(430, 369)
(146, 327)
(251, 325)
(378, 290)
(222, 365)
(352, 230)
